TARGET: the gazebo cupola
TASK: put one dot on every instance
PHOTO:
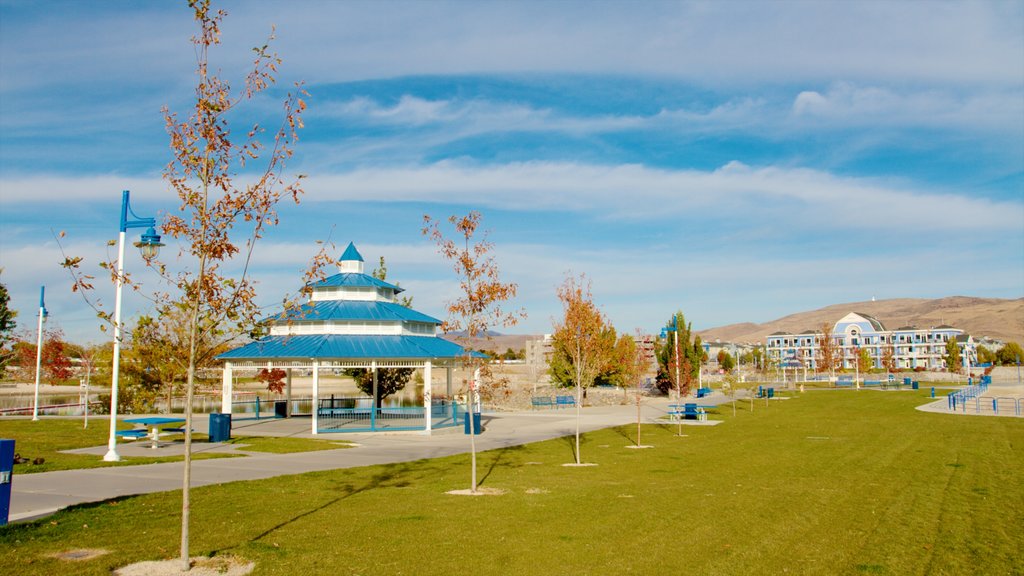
(351, 261)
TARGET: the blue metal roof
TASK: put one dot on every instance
(324, 310)
(351, 254)
(345, 347)
(355, 279)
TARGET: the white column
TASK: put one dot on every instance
(448, 383)
(288, 393)
(316, 395)
(226, 388)
(428, 411)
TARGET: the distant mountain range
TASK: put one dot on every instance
(980, 317)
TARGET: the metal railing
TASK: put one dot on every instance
(360, 415)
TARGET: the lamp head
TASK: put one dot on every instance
(150, 244)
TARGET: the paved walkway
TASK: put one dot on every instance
(36, 495)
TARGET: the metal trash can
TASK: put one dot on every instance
(6, 476)
(915, 385)
(220, 427)
(476, 423)
(281, 409)
(771, 392)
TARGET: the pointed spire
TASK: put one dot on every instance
(351, 260)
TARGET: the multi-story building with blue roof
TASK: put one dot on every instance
(913, 348)
(352, 320)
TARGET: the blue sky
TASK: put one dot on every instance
(737, 160)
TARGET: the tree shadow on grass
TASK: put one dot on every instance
(385, 478)
(499, 455)
(621, 431)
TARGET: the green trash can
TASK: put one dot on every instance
(220, 427)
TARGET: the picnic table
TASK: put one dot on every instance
(154, 424)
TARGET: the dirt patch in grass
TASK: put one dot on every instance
(80, 554)
(201, 566)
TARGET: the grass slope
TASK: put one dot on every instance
(827, 483)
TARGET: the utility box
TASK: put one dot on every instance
(220, 427)
(6, 477)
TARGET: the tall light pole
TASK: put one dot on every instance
(675, 333)
(149, 246)
(39, 350)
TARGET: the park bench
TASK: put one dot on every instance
(844, 382)
(687, 412)
(539, 401)
(702, 392)
(132, 434)
(565, 401)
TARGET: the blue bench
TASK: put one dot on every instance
(133, 434)
(702, 392)
(565, 401)
(539, 401)
(873, 383)
(844, 382)
(687, 412)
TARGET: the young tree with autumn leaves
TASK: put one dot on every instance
(580, 337)
(482, 293)
(228, 184)
(827, 351)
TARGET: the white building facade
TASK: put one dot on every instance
(912, 348)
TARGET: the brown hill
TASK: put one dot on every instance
(980, 317)
(497, 342)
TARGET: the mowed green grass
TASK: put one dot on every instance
(830, 482)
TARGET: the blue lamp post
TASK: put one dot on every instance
(149, 246)
(39, 350)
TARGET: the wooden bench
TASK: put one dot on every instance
(565, 401)
(539, 401)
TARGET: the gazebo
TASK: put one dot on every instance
(352, 321)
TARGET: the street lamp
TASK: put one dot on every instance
(149, 246)
(39, 350)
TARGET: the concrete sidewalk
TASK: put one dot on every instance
(36, 495)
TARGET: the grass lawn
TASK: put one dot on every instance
(837, 482)
(47, 437)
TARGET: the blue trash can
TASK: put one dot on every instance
(476, 423)
(220, 427)
(915, 385)
(6, 474)
(771, 392)
(281, 409)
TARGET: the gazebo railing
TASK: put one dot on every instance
(350, 415)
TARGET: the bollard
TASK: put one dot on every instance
(257, 407)
(933, 391)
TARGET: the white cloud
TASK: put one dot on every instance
(798, 197)
(885, 108)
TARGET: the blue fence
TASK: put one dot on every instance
(360, 415)
(960, 397)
